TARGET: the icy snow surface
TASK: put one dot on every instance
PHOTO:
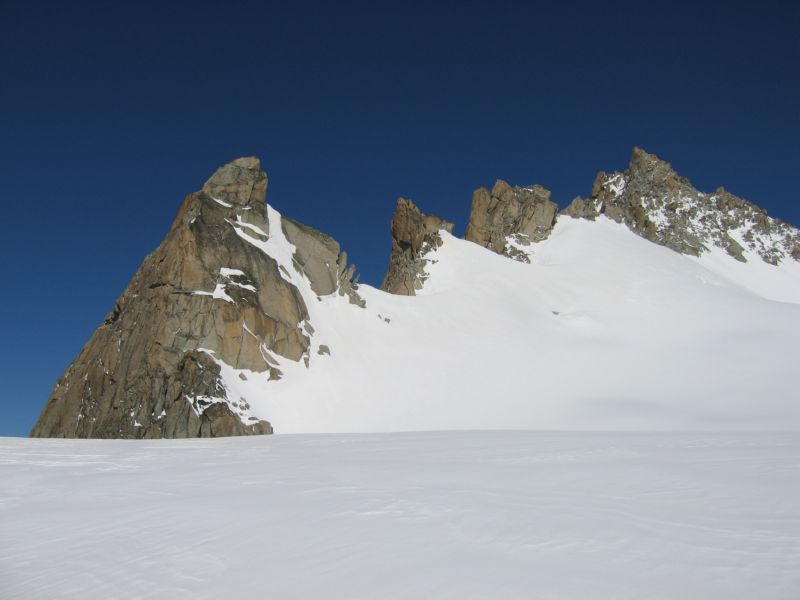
(603, 330)
(417, 515)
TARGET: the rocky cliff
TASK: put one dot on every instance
(211, 296)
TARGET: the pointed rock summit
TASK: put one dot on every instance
(211, 298)
(241, 183)
(414, 234)
(509, 217)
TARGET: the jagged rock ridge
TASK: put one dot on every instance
(650, 198)
(210, 296)
(663, 207)
(506, 220)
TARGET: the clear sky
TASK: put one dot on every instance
(112, 112)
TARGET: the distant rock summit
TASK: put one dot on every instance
(230, 293)
(653, 201)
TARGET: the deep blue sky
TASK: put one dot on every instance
(112, 112)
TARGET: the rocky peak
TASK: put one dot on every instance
(222, 299)
(508, 219)
(414, 234)
(239, 183)
(644, 166)
(652, 200)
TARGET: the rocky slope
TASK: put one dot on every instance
(653, 201)
(209, 297)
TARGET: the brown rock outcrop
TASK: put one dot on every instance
(414, 234)
(523, 214)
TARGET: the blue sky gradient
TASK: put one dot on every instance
(113, 112)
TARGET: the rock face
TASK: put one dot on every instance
(319, 258)
(209, 297)
(656, 203)
(507, 219)
(414, 234)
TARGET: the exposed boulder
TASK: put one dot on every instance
(414, 234)
(509, 217)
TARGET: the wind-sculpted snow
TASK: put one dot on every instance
(428, 515)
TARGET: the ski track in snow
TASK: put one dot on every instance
(416, 515)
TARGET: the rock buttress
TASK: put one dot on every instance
(507, 217)
(414, 234)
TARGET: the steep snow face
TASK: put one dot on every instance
(466, 515)
(602, 330)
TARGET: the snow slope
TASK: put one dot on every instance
(416, 515)
(603, 330)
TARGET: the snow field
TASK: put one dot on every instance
(456, 515)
